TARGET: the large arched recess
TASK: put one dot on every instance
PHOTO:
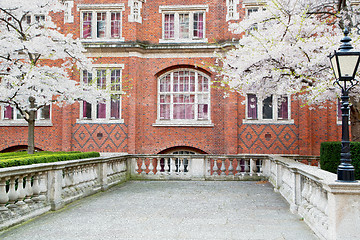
(182, 148)
(18, 148)
(168, 69)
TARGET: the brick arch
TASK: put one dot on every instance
(182, 66)
(18, 144)
(18, 148)
(181, 148)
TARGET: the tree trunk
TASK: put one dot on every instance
(355, 121)
(31, 127)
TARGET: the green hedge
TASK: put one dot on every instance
(330, 156)
(21, 158)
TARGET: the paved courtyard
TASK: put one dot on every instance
(171, 210)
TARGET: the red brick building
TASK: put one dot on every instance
(154, 57)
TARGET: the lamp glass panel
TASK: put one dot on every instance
(347, 64)
(334, 66)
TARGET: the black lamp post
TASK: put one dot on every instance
(345, 63)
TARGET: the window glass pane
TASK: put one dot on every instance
(115, 24)
(101, 79)
(115, 106)
(8, 112)
(184, 106)
(203, 106)
(184, 25)
(86, 110)
(116, 80)
(283, 108)
(267, 108)
(87, 77)
(164, 106)
(87, 17)
(176, 81)
(101, 110)
(165, 84)
(28, 19)
(203, 83)
(198, 25)
(192, 81)
(252, 106)
(101, 24)
(169, 26)
(45, 112)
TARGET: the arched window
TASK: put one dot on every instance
(184, 98)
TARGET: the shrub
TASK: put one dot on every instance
(17, 159)
(330, 156)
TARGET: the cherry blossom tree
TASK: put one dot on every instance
(36, 60)
(284, 49)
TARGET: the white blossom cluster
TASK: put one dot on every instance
(36, 59)
(284, 50)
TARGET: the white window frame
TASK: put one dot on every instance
(107, 119)
(21, 121)
(183, 9)
(68, 16)
(260, 119)
(231, 10)
(184, 122)
(135, 13)
(94, 9)
(253, 4)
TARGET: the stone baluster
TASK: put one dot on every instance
(304, 192)
(246, 166)
(223, 167)
(42, 186)
(12, 194)
(21, 192)
(151, 166)
(215, 168)
(28, 190)
(158, 166)
(87, 175)
(36, 188)
(93, 174)
(181, 165)
(143, 165)
(231, 167)
(167, 165)
(238, 166)
(252, 166)
(173, 165)
(3, 195)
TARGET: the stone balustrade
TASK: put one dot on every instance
(28, 191)
(330, 208)
(197, 167)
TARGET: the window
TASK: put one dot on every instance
(183, 23)
(38, 19)
(11, 116)
(101, 22)
(108, 78)
(68, 16)
(184, 98)
(270, 109)
(232, 13)
(135, 8)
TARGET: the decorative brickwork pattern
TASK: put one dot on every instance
(100, 137)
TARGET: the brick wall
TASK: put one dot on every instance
(142, 66)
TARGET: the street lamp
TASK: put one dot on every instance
(344, 64)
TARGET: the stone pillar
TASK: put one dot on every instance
(197, 167)
(102, 175)
(344, 211)
(55, 189)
